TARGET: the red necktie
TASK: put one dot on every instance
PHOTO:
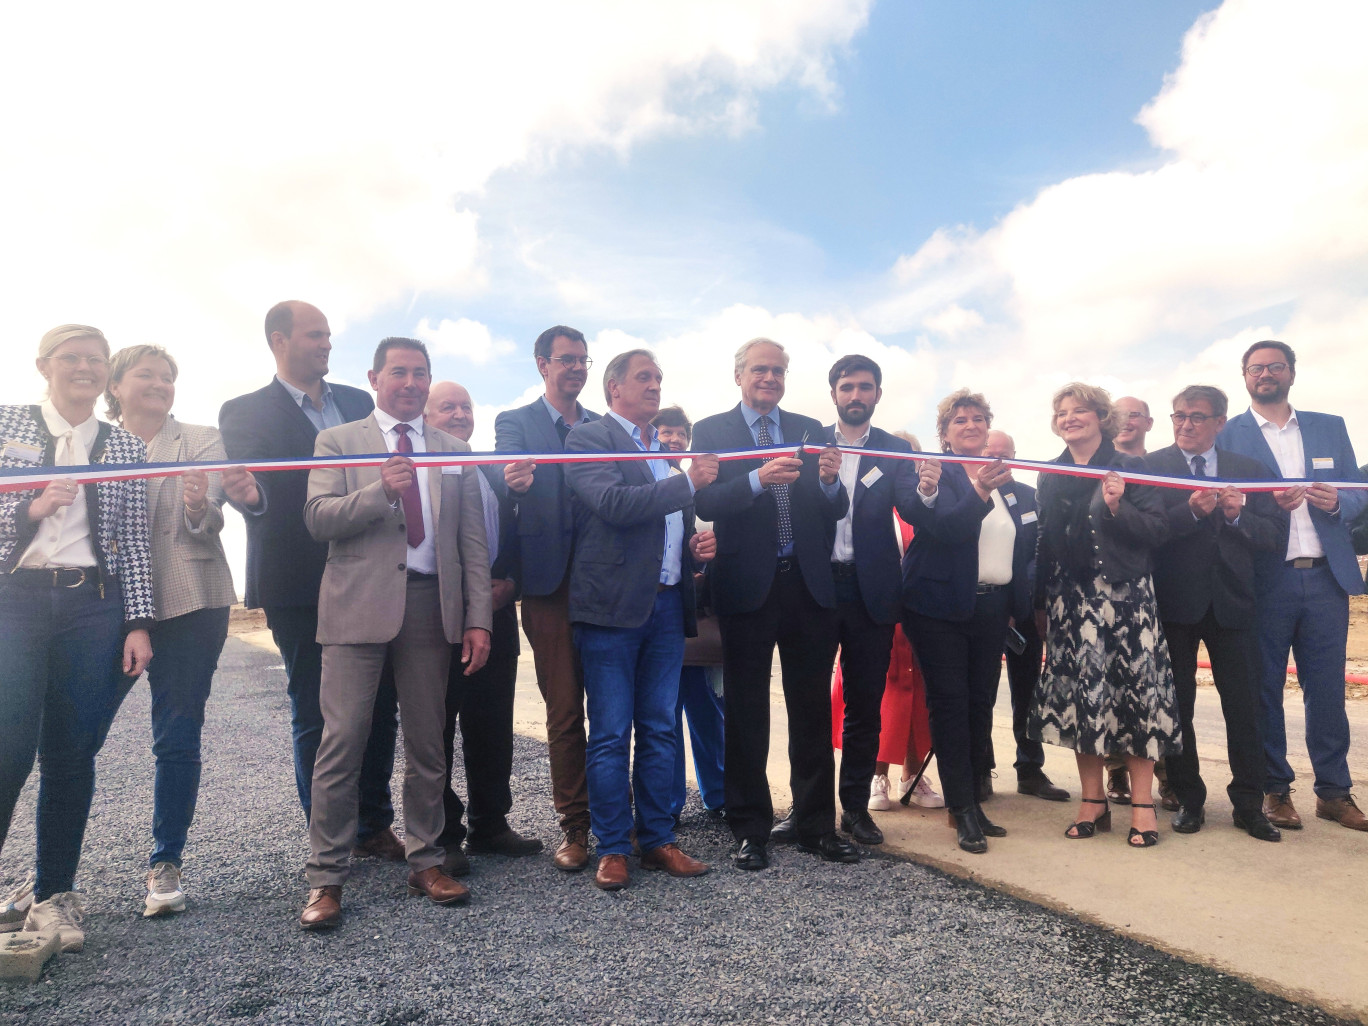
(413, 502)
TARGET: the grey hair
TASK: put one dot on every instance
(746, 347)
(1208, 393)
(617, 369)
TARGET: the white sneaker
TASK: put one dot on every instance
(878, 794)
(164, 894)
(62, 914)
(923, 795)
(14, 908)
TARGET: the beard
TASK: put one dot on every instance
(856, 414)
(1275, 392)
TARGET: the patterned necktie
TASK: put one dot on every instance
(1199, 466)
(779, 491)
(412, 500)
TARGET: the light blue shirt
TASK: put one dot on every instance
(326, 416)
(777, 437)
(674, 522)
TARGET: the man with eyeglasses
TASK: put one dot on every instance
(1204, 585)
(1136, 423)
(1303, 591)
(546, 530)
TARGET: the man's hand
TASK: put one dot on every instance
(396, 475)
(1289, 499)
(1113, 487)
(829, 465)
(703, 545)
(55, 496)
(1202, 502)
(703, 470)
(518, 476)
(1231, 501)
(929, 475)
(501, 590)
(240, 486)
(1323, 497)
(474, 649)
(137, 653)
(990, 476)
(780, 470)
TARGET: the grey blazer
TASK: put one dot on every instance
(361, 601)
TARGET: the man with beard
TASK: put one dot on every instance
(1304, 591)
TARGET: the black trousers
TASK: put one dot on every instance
(806, 635)
(483, 702)
(1235, 665)
(961, 662)
(865, 650)
(1023, 674)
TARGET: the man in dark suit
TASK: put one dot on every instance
(771, 583)
(483, 701)
(632, 603)
(285, 564)
(1023, 667)
(1204, 585)
(1303, 591)
(546, 534)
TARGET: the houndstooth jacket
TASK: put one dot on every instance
(119, 508)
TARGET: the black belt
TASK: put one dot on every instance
(56, 577)
(665, 587)
(984, 589)
(418, 575)
(842, 569)
(784, 565)
(1306, 562)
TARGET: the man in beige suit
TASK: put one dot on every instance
(407, 578)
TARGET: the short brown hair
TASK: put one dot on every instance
(952, 402)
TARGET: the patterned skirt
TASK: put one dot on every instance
(1107, 687)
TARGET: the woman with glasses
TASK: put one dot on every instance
(192, 589)
(75, 611)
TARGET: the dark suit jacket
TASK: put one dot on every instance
(546, 524)
(1359, 529)
(284, 563)
(1323, 435)
(507, 564)
(871, 523)
(747, 526)
(1207, 563)
(1024, 553)
(620, 511)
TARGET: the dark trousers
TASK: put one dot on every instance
(806, 635)
(865, 650)
(1023, 674)
(483, 702)
(1235, 666)
(295, 629)
(961, 662)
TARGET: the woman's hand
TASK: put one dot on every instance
(137, 653)
(991, 476)
(928, 473)
(195, 494)
(1113, 487)
(57, 495)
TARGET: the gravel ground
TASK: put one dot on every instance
(884, 941)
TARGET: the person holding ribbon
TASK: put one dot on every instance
(75, 610)
(192, 589)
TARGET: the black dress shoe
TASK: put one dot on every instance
(989, 828)
(1256, 825)
(1188, 821)
(966, 824)
(831, 847)
(1039, 785)
(860, 826)
(507, 842)
(750, 854)
(785, 831)
(983, 788)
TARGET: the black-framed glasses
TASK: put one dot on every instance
(571, 362)
(1255, 369)
(1196, 419)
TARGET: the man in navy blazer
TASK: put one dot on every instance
(771, 584)
(546, 535)
(632, 603)
(285, 564)
(1303, 591)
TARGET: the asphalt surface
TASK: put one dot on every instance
(805, 942)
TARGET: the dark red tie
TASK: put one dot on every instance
(413, 502)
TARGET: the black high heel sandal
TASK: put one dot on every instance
(1087, 828)
(1148, 838)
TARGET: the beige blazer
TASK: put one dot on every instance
(364, 587)
(189, 569)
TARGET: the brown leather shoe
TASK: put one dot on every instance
(1278, 808)
(383, 844)
(439, 888)
(323, 910)
(1343, 811)
(612, 873)
(573, 853)
(1168, 798)
(669, 858)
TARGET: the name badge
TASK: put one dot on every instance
(1011, 499)
(21, 451)
(453, 470)
(1322, 463)
(874, 474)
(1029, 518)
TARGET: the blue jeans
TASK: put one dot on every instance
(187, 652)
(1306, 612)
(631, 681)
(61, 682)
(706, 728)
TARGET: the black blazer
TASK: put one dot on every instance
(507, 564)
(284, 563)
(1024, 554)
(1207, 563)
(747, 526)
(620, 511)
(871, 524)
(546, 524)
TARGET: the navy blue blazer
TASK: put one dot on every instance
(747, 525)
(284, 563)
(546, 524)
(872, 533)
(1323, 436)
(1027, 521)
(620, 511)
(507, 565)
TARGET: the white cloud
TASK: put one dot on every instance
(464, 339)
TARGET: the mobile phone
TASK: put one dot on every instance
(1015, 641)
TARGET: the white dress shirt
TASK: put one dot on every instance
(997, 541)
(424, 557)
(1286, 443)
(63, 539)
(843, 551)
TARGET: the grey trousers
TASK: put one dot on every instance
(421, 657)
